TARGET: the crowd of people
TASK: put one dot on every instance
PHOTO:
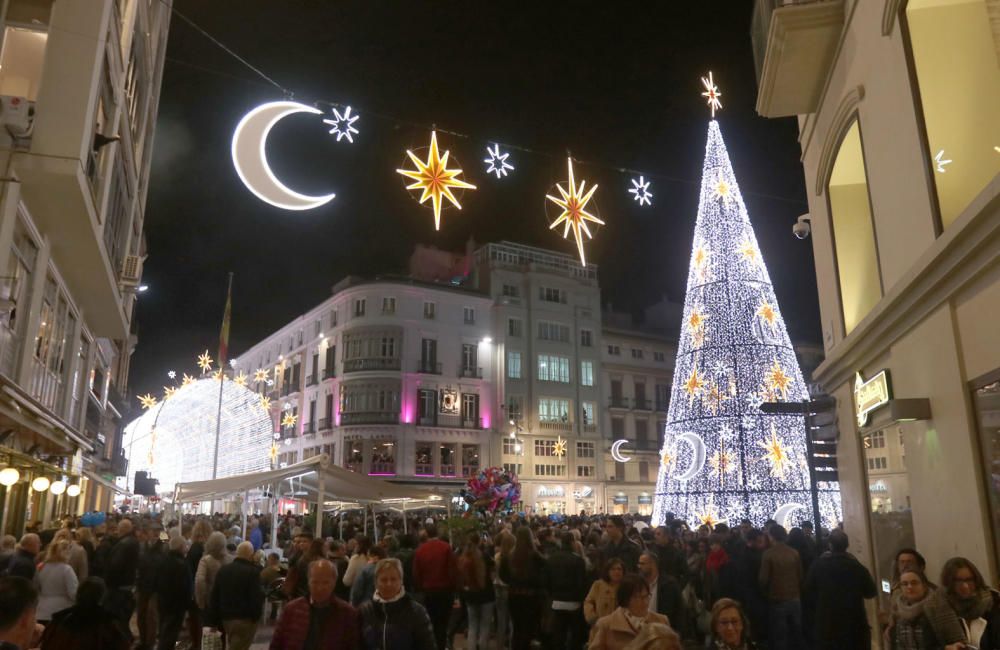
(510, 583)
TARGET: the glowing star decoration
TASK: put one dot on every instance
(260, 374)
(777, 454)
(768, 313)
(667, 458)
(716, 398)
(710, 516)
(694, 384)
(696, 320)
(289, 420)
(722, 462)
(640, 191)
(559, 449)
(273, 454)
(172, 374)
(700, 258)
(574, 210)
(778, 381)
(497, 162)
(168, 392)
(241, 379)
(748, 252)
(218, 375)
(938, 159)
(711, 93)
(722, 189)
(435, 179)
(265, 402)
(343, 124)
(147, 401)
(250, 158)
(205, 362)
(188, 379)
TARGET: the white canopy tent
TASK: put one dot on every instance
(316, 481)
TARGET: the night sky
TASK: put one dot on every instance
(617, 84)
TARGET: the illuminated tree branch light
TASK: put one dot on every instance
(722, 459)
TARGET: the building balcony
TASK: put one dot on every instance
(374, 363)
(555, 426)
(473, 423)
(427, 367)
(642, 404)
(468, 471)
(326, 424)
(312, 380)
(369, 417)
(618, 402)
(329, 373)
(470, 373)
(794, 42)
(309, 427)
(427, 421)
(590, 428)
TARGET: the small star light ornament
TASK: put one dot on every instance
(241, 379)
(574, 214)
(342, 124)
(435, 179)
(168, 392)
(265, 402)
(289, 420)
(260, 374)
(559, 449)
(711, 93)
(205, 362)
(640, 191)
(497, 162)
(777, 454)
(147, 401)
(694, 384)
(188, 379)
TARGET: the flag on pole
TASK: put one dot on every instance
(224, 332)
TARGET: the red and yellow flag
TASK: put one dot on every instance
(224, 332)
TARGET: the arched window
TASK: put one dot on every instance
(853, 231)
(956, 59)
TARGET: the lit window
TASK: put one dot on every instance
(514, 365)
(359, 307)
(429, 310)
(586, 373)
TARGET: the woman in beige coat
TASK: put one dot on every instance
(208, 567)
(622, 626)
(603, 596)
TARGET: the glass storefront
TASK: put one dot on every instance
(986, 401)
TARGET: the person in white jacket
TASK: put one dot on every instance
(56, 581)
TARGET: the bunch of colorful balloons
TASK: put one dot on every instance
(493, 489)
(92, 519)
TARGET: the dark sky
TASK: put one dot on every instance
(616, 83)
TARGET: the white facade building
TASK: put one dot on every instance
(897, 105)
(79, 89)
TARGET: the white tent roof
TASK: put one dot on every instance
(339, 484)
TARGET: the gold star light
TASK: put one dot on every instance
(273, 454)
(722, 462)
(667, 458)
(694, 384)
(260, 374)
(710, 517)
(722, 188)
(711, 93)
(205, 362)
(188, 379)
(716, 398)
(560, 447)
(217, 375)
(748, 251)
(265, 402)
(168, 392)
(777, 454)
(767, 312)
(147, 401)
(700, 258)
(289, 420)
(241, 379)
(435, 179)
(574, 214)
(777, 381)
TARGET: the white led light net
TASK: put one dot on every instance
(182, 445)
(722, 459)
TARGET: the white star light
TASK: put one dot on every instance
(172, 374)
(497, 162)
(343, 124)
(941, 163)
(640, 191)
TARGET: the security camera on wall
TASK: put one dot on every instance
(802, 227)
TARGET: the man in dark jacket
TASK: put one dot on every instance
(619, 546)
(153, 551)
(237, 598)
(18, 602)
(393, 619)
(120, 574)
(780, 578)
(672, 562)
(837, 586)
(22, 563)
(664, 593)
(174, 588)
(566, 582)
(320, 621)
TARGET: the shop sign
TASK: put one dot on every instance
(878, 486)
(645, 499)
(620, 499)
(551, 491)
(870, 394)
(584, 492)
(449, 401)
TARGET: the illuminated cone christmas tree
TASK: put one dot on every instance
(722, 459)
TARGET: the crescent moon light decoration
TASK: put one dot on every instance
(250, 159)
(698, 449)
(785, 511)
(616, 452)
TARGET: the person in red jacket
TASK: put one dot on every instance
(434, 577)
(320, 621)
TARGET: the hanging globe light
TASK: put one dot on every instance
(40, 484)
(58, 487)
(9, 476)
(73, 490)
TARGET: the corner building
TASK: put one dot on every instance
(79, 89)
(897, 106)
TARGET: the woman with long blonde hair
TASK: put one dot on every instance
(56, 581)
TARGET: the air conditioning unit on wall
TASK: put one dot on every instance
(18, 115)
(132, 270)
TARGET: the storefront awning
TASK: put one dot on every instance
(97, 478)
